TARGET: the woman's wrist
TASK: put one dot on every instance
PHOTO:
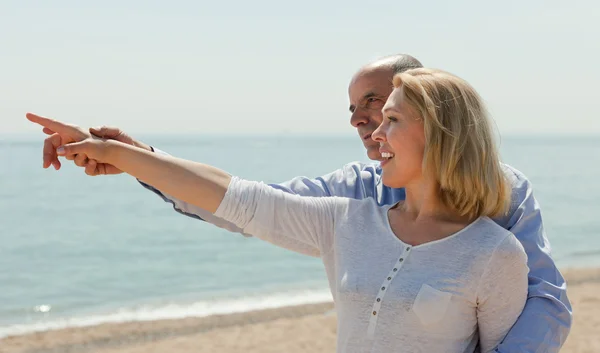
(114, 149)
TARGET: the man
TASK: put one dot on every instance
(546, 319)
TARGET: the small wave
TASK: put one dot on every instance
(585, 253)
(176, 311)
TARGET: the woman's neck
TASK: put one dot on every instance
(423, 202)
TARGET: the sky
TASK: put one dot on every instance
(283, 67)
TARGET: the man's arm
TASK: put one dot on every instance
(189, 209)
(546, 320)
(354, 180)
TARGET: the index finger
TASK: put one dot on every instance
(55, 125)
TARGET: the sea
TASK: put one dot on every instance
(77, 250)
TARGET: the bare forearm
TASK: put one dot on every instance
(198, 184)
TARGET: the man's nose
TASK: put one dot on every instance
(359, 118)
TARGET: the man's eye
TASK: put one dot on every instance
(372, 103)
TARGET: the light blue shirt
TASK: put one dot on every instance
(546, 319)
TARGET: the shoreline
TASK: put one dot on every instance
(114, 335)
(310, 326)
(173, 310)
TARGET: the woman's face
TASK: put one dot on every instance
(402, 142)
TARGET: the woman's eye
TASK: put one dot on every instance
(391, 118)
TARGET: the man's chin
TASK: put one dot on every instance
(373, 154)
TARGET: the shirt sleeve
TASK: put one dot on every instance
(502, 292)
(546, 320)
(354, 180)
(278, 217)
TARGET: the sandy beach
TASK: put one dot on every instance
(306, 328)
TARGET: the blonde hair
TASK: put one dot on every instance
(460, 151)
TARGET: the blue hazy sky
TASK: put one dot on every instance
(282, 66)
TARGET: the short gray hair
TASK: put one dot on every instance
(400, 63)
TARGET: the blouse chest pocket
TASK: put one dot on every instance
(431, 305)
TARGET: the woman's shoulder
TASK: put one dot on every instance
(363, 210)
(368, 206)
(497, 240)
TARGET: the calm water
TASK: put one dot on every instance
(77, 250)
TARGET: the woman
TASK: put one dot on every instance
(432, 273)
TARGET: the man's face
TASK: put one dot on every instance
(368, 92)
